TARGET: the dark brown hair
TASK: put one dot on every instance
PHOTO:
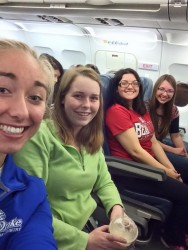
(138, 103)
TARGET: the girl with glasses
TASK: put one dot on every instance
(131, 136)
(165, 117)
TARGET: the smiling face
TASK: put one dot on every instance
(22, 98)
(165, 92)
(128, 87)
(81, 103)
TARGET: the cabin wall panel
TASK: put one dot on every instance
(11, 31)
(174, 61)
(144, 45)
(67, 43)
(64, 47)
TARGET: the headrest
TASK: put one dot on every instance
(147, 85)
(107, 88)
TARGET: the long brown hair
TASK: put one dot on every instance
(167, 107)
(91, 135)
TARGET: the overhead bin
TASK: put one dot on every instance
(94, 2)
(154, 10)
(111, 9)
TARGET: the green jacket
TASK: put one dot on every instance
(70, 177)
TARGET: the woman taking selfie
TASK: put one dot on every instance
(25, 216)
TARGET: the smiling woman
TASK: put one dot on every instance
(131, 136)
(165, 117)
(67, 154)
(25, 212)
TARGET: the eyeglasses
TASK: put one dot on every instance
(169, 92)
(125, 84)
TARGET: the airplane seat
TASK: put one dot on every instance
(143, 209)
(147, 86)
(181, 98)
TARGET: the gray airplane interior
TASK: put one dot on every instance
(150, 36)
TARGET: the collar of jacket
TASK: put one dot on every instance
(12, 177)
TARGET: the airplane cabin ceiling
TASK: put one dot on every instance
(142, 13)
(91, 2)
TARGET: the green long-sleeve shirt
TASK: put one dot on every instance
(70, 177)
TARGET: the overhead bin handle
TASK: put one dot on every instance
(177, 3)
(177, 10)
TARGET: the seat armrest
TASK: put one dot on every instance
(182, 130)
(119, 166)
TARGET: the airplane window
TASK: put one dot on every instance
(42, 49)
(181, 99)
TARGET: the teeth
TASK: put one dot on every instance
(11, 130)
(84, 113)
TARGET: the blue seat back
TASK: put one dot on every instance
(107, 91)
(147, 85)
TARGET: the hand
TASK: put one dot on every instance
(100, 239)
(185, 153)
(179, 151)
(117, 211)
(179, 177)
(173, 174)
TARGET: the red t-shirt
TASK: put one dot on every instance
(118, 120)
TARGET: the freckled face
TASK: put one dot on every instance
(130, 92)
(82, 102)
(22, 98)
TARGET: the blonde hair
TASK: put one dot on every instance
(13, 44)
(49, 72)
(91, 135)
(6, 44)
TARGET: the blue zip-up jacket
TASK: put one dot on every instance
(25, 216)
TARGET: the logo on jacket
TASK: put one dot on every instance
(13, 225)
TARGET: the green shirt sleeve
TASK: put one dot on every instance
(105, 187)
(69, 237)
